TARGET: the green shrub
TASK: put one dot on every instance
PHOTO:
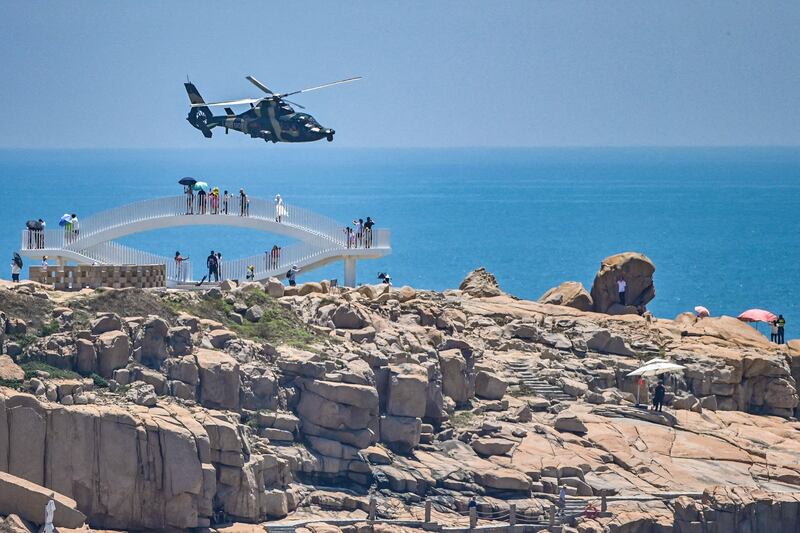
(31, 367)
(99, 381)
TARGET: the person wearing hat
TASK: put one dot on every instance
(292, 274)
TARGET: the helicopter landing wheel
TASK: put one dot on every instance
(330, 138)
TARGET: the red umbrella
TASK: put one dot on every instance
(757, 315)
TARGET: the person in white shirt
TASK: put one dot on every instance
(621, 287)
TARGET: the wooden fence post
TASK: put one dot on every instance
(427, 511)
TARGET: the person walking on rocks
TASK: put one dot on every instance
(291, 275)
(658, 397)
(622, 286)
(781, 322)
(562, 500)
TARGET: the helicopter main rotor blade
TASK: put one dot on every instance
(348, 80)
(228, 103)
(294, 103)
(260, 85)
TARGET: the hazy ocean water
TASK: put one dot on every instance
(721, 225)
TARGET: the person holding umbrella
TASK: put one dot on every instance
(16, 267)
(188, 183)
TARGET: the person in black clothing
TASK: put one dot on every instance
(781, 325)
(658, 397)
(368, 232)
(201, 204)
(213, 265)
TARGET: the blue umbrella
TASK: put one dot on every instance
(65, 219)
(200, 185)
(187, 181)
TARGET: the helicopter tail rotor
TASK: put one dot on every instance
(199, 114)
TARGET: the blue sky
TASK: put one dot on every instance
(515, 73)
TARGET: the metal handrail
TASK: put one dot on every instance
(258, 208)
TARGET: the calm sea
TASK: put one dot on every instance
(721, 225)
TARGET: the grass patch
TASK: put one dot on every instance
(462, 419)
(48, 329)
(99, 381)
(32, 367)
(124, 302)
(11, 383)
(277, 325)
(34, 311)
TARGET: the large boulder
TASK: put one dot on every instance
(113, 349)
(347, 317)
(28, 500)
(481, 284)
(274, 287)
(85, 356)
(219, 379)
(571, 294)
(400, 433)
(9, 370)
(637, 271)
(489, 386)
(180, 340)
(408, 390)
(455, 382)
(152, 341)
(106, 322)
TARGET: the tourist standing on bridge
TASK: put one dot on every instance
(273, 258)
(75, 226)
(211, 263)
(244, 204)
(368, 232)
(225, 198)
(189, 199)
(359, 229)
(215, 201)
(201, 201)
(179, 259)
(348, 234)
(219, 266)
(280, 209)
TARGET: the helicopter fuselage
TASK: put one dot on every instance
(269, 120)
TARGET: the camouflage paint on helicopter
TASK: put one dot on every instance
(270, 117)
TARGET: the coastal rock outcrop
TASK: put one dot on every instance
(637, 271)
(480, 283)
(570, 293)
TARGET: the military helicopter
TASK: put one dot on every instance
(270, 117)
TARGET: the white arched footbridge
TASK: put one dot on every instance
(321, 239)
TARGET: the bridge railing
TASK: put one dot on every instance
(292, 216)
(117, 254)
(267, 265)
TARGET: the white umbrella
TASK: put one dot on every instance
(653, 369)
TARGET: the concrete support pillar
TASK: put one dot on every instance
(473, 517)
(60, 261)
(373, 508)
(512, 515)
(552, 515)
(349, 271)
(427, 511)
(603, 504)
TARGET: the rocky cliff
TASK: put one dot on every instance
(174, 410)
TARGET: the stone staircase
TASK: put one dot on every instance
(540, 387)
